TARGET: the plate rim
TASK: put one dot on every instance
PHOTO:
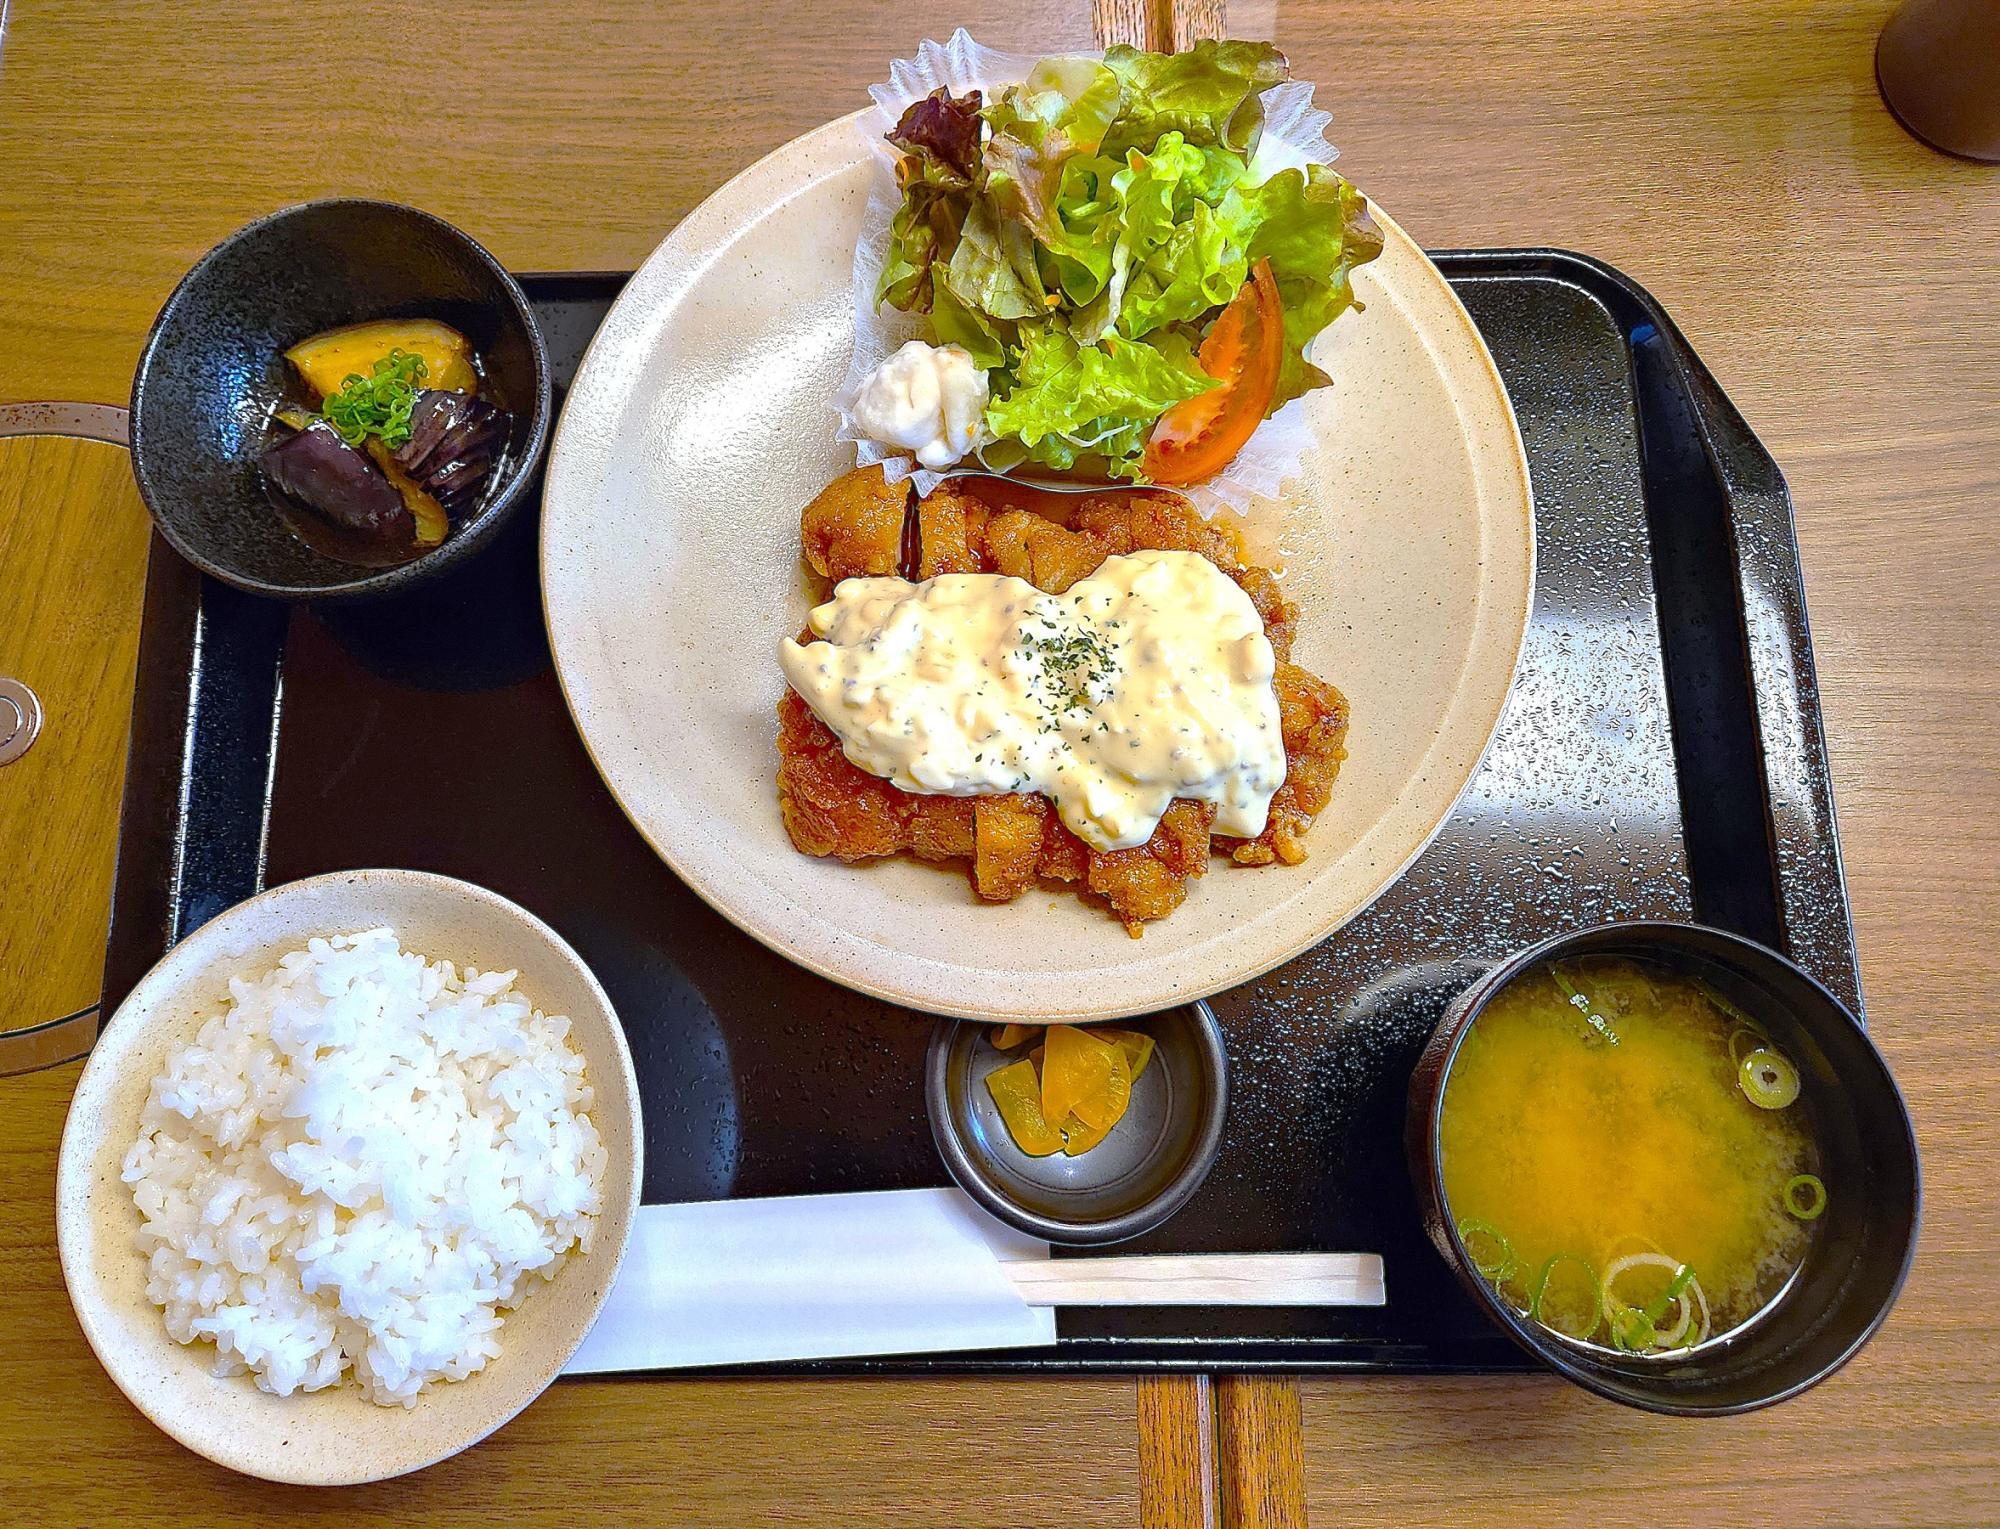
(1108, 1010)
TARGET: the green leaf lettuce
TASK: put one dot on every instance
(1080, 232)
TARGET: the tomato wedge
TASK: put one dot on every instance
(1244, 351)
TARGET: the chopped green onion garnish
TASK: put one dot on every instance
(377, 405)
(1561, 1306)
(1768, 1079)
(1805, 1196)
(1491, 1253)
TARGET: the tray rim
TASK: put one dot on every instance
(169, 579)
(1729, 443)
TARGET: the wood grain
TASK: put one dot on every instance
(1730, 154)
(1178, 1473)
(72, 533)
(1260, 1454)
(1136, 23)
(1158, 24)
(1194, 20)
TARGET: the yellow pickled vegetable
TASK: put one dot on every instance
(1076, 1066)
(1137, 1046)
(1088, 1091)
(1019, 1099)
(1105, 1108)
(1079, 1138)
(327, 360)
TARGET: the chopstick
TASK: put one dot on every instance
(1201, 1279)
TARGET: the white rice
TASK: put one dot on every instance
(357, 1163)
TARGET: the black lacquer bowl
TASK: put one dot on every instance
(214, 367)
(1864, 1242)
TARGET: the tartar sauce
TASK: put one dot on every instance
(1149, 680)
(928, 399)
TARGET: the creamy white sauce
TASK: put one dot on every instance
(1149, 680)
(928, 399)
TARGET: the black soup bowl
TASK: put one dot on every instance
(1854, 1265)
(214, 368)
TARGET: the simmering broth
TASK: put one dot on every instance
(1626, 1155)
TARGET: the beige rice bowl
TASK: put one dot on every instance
(359, 1163)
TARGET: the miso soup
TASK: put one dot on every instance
(1627, 1157)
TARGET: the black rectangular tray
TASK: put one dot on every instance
(1661, 757)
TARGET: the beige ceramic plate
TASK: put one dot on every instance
(702, 420)
(332, 1437)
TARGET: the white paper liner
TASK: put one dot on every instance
(1294, 136)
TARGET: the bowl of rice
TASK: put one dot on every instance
(349, 1176)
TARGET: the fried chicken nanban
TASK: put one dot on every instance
(833, 807)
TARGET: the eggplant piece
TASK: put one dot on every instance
(432, 524)
(455, 439)
(329, 477)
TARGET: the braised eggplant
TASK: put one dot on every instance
(392, 441)
(431, 521)
(319, 470)
(455, 438)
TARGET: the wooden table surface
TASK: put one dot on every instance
(1731, 155)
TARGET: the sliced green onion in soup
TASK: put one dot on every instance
(1566, 1297)
(1636, 1327)
(1748, 1036)
(1676, 1336)
(1618, 1268)
(1599, 1028)
(1725, 1007)
(1656, 1308)
(1697, 1318)
(1674, 1299)
(1768, 1079)
(1632, 1331)
(1805, 1196)
(1491, 1253)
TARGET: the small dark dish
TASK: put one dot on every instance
(213, 369)
(1864, 1244)
(1147, 1168)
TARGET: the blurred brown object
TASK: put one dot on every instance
(1938, 66)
